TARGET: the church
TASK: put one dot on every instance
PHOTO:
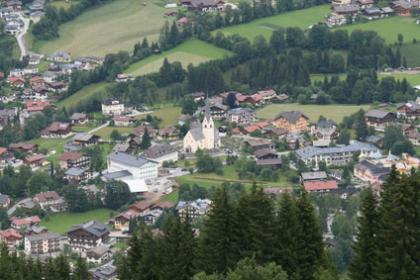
(202, 136)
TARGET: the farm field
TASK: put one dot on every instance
(265, 26)
(413, 79)
(115, 26)
(389, 28)
(193, 52)
(334, 112)
(83, 94)
(62, 222)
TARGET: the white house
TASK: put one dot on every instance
(112, 107)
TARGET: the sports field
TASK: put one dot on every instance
(334, 112)
(115, 26)
(389, 28)
(265, 26)
(193, 51)
(83, 94)
(62, 222)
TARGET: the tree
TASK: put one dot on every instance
(360, 125)
(344, 137)
(97, 161)
(115, 135)
(146, 141)
(81, 271)
(365, 256)
(117, 194)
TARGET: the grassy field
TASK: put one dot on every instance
(334, 112)
(105, 132)
(265, 26)
(56, 145)
(413, 79)
(110, 28)
(83, 94)
(63, 4)
(169, 115)
(193, 51)
(62, 222)
(389, 28)
(411, 53)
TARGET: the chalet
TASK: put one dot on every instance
(36, 106)
(24, 223)
(50, 201)
(202, 5)
(376, 140)
(121, 221)
(413, 135)
(255, 144)
(122, 78)
(241, 116)
(346, 10)
(372, 13)
(139, 131)
(193, 209)
(56, 87)
(60, 56)
(85, 139)
(379, 119)
(98, 255)
(370, 172)
(313, 176)
(169, 132)
(4, 200)
(217, 110)
(274, 132)
(265, 154)
(402, 7)
(37, 81)
(112, 107)
(23, 147)
(79, 118)
(250, 129)
(253, 99)
(44, 243)
(183, 119)
(57, 130)
(89, 235)
(16, 82)
(365, 4)
(76, 174)
(268, 95)
(140, 206)
(73, 159)
(292, 121)
(182, 21)
(34, 160)
(270, 162)
(324, 130)
(409, 110)
(123, 120)
(320, 185)
(11, 237)
(161, 153)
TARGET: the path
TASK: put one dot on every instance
(13, 208)
(98, 128)
(20, 36)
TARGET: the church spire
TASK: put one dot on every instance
(207, 114)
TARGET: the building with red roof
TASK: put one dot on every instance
(57, 130)
(34, 160)
(10, 237)
(23, 223)
(320, 185)
(73, 159)
(37, 106)
(17, 82)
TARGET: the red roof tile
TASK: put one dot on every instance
(320, 185)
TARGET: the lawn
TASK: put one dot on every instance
(411, 53)
(52, 145)
(83, 94)
(265, 26)
(389, 28)
(193, 52)
(169, 115)
(413, 79)
(334, 112)
(62, 222)
(105, 132)
(115, 26)
(62, 4)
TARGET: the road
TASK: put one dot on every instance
(98, 128)
(20, 37)
(13, 208)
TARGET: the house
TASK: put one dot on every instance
(121, 221)
(85, 139)
(44, 243)
(313, 176)
(346, 10)
(379, 119)
(34, 160)
(241, 116)
(85, 236)
(254, 144)
(16, 82)
(376, 140)
(365, 4)
(4, 200)
(56, 86)
(77, 174)
(413, 135)
(268, 95)
(402, 7)
(339, 156)
(37, 106)
(106, 272)
(60, 56)
(254, 99)
(169, 132)
(50, 201)
(373, 13)
(123, 78)
(183, 119)
(23, 223)
(139, 131)
(123, 120)
(320, 185)
(161, 153)
(5, 158)
(11, 237)
(57, 130)
(324, 131)
(112, 107)
(74, 159)
(202, 5)
(182, 21)
(217, 110)
(370, 172)
(265, 154)
(202, 136)
(23, 147)
(409, 110)
(193, 209)
(292, 121)
(98, 255)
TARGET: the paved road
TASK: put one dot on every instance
(13, 208)
(20, 37)
(98, 128)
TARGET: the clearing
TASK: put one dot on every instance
(389, 28)
(115, 26)
(192, 51)
(265, 26)
(62, 222)
(334, 112)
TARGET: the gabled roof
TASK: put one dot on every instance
(70, 156)
(93, 227)
(313, 175)
(127, 159)
(377, 114)
(158, 150)
(291, 116)
(320, 185)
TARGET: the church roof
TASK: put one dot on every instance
(197, 133)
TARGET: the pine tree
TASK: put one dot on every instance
(145, 140)
(365, 247)
(81, 271)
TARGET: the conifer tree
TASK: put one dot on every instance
(365, 247)
(81, 271)
(145, 140)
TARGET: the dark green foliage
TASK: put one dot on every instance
(117, 194)
(395, 141)
(207, 164)
(146, 141)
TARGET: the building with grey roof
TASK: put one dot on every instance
(340, 155)
(85, 236)
(140, 167)
(161, 153)
(43, 243)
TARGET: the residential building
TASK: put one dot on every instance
(413, 135)
(7, 116)
(268, 95)
(325, 132)
(85, 139)
(60, 56)
(371, 172)
(241, 116)
(57, 130)
(340, 155)
(254, 144)
(123, 120)
(202, 136)
(37, 106)
(44, 243)
(379, 119)
(4, 200)
(34, 160)
(11, 237)
(98, 255)
(169, 133)
(24, 223)
(409, 110)
(79, 118)
(292, 121)
(320, 185)
(313, 176)
(402, 7)
(23, 147)
(193, 209)
(74, 159)
(112, 107)
(121, 222)
(88, 235)
(76, 174)
(161, 153)
(50, 201)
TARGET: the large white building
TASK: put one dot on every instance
(204, 136)
(112, 107)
